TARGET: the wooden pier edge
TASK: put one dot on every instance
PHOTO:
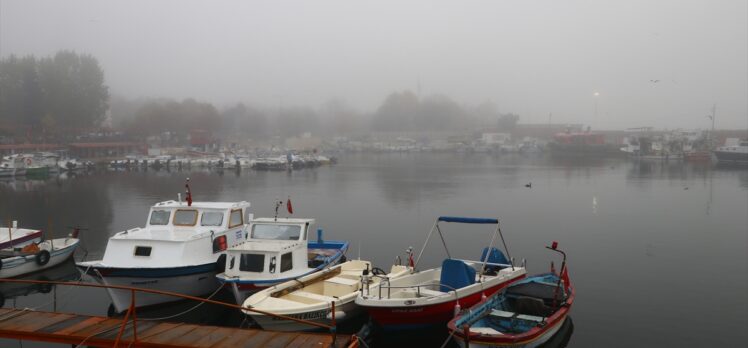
(97, 331)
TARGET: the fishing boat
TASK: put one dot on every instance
(311, 297)
(277, 250)
(434, 296)
(179, 250)
(12, 166)
(13, 237)
(526, 314)
(36, 257)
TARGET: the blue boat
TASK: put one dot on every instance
(527, 313)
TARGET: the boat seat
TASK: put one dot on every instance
(339, 286)
(313, 296)
(532, 306)
(509, 315)
(455, 274)
(494, 256)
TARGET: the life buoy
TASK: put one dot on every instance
(28, 161)
(42, 258)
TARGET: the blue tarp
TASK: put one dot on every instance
(468, 220)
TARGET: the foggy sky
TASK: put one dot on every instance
(529, 57)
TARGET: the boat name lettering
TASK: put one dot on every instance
(145, 282)
(321, 314)
(410, 310)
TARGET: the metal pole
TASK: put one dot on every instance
(424, 244)
(511, 262)
(443, 242)
(490, 246)
(333, 329)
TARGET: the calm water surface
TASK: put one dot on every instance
(658, 252)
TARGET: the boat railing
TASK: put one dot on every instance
(417, 287)
(131, 311)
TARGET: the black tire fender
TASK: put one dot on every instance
(42, 257)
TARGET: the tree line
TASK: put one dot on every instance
(400, 111)
(54, 96)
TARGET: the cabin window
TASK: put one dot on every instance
(252, 262)
(276, 232)
(231, 263)
(160, 217)
(142, 251)
(286, 262)
(211, 219)
(236, 218)
(185, 217)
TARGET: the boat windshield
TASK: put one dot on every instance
(276, 232)
(160, 217)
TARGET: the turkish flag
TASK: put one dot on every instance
(289, 207)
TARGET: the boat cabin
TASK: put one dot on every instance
(275, 248)
(179, 234)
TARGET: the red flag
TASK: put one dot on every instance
(289, 207)
(565, 277)
(188, 194)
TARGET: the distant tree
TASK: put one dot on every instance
(397, 112)
(439, 112)
(295, 121)
(74, 91)
(507, 122)
(339, 117)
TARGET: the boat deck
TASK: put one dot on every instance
(99, 331)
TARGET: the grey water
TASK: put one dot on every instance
(657, 251)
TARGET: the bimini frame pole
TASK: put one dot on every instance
(442, 237)
(425, 243)
(488, 252)
(511, 262)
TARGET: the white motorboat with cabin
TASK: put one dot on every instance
(434, 296)
(277, 250)
(735, 151)
(311, 297)
(179, 250)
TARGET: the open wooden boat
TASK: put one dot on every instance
(311, 297)
(49, 253)
(432, 297)
(526, 314)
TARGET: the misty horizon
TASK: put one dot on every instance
(662, 65)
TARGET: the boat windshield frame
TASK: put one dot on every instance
(466, 220)
(282, 229)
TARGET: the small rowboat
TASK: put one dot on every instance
(526, 314)
(311, 297)
(49, 253)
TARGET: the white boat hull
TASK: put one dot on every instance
(343, 311)
(17, 266)
(197, 284)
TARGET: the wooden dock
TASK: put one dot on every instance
(103, 332)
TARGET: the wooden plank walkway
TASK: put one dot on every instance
(102, 332)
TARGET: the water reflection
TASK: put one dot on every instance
(65, 271)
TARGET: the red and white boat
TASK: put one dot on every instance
(434, 296)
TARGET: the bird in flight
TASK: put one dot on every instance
(654, 81)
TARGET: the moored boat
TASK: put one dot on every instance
(14, 237)
(36, 257)
(734, 152)
(311, 297)
(527, 313)
(432, 297)
(179, 250)
(277, 250)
